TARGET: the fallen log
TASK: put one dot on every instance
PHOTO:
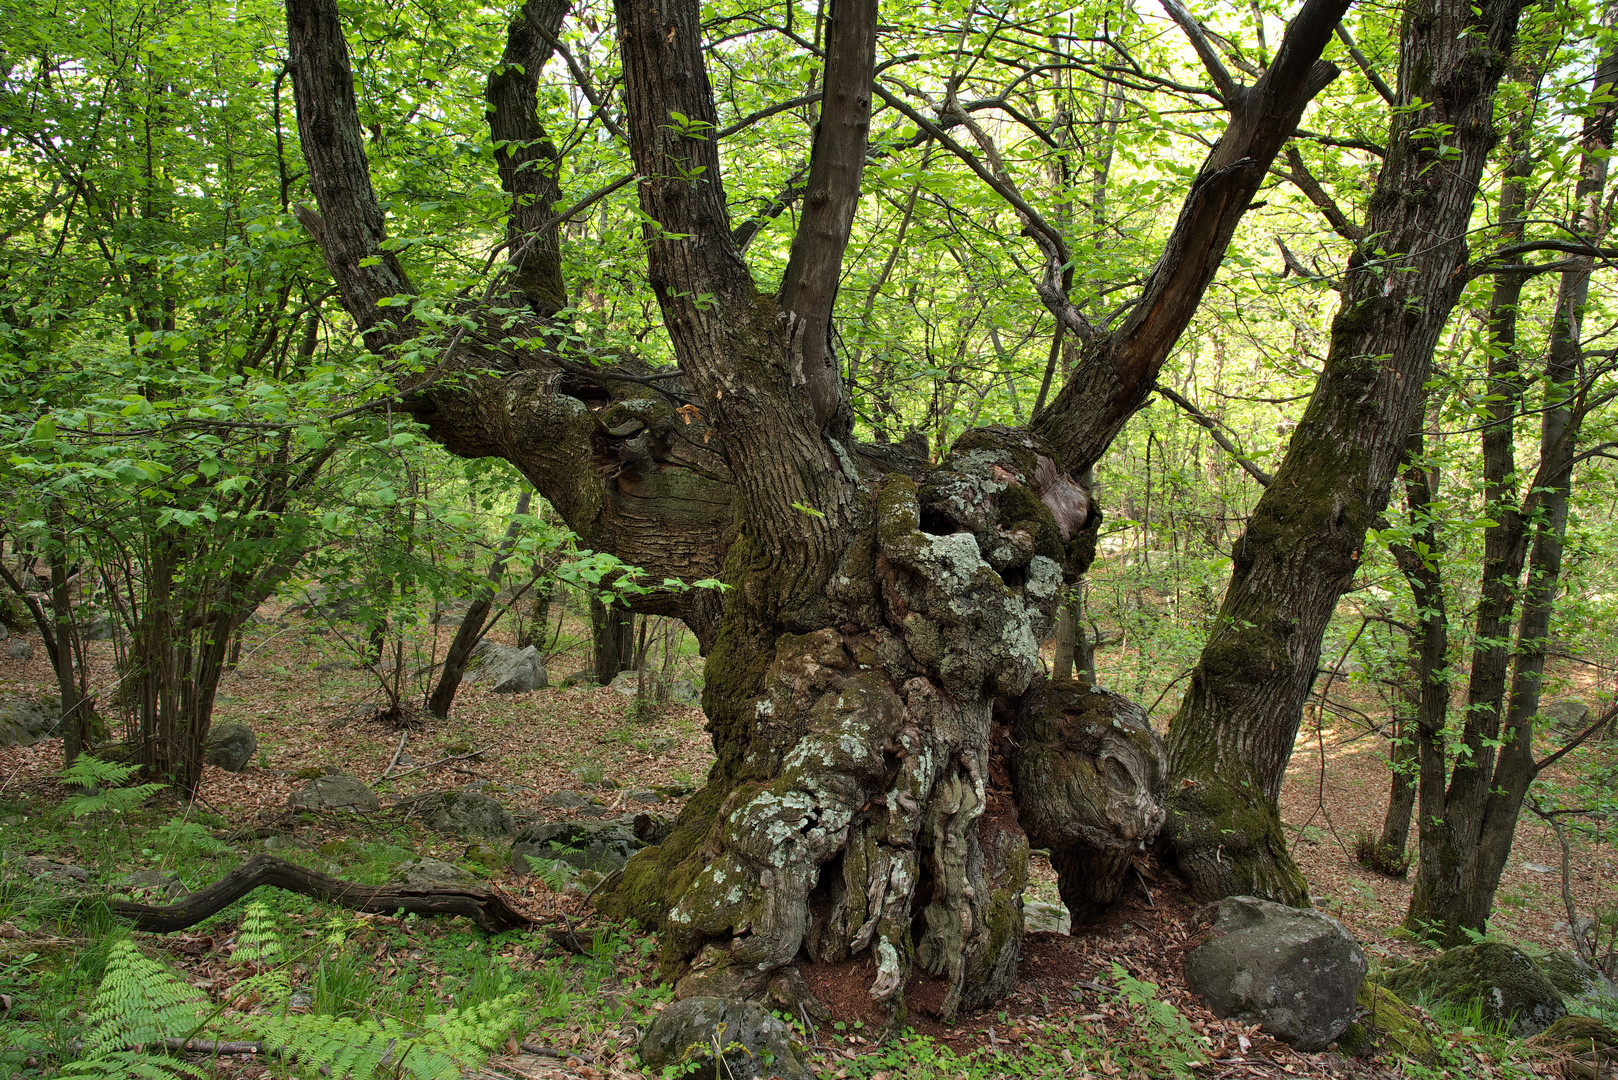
(488, 909)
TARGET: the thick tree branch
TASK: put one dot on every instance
(1365, 67)
(489, 910)
(527, 160)
(809, 286)
(1117, 372)
(1305, 181)
(351, 228)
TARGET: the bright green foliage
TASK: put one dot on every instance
(1173, 1042)
(103, 779)
(346, 1046)
(138, 1004)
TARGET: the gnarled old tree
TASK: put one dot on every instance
(869, 668)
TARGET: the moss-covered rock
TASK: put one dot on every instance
(1572, 976)
(1509, 988)
(1386, 1026)
(1588, 1047)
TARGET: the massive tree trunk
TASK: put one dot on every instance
(1232, 737)
(863, 807)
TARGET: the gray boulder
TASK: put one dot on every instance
(1293, 972)
(589, 845)
(508, 670)
(336, 792)
(461, 813)
(1510, 989)
(42, 869)
(752, 1043)
(25, 721)
(231, 746)
(19, 650)
(1568, 715)
(1576, 980)
(432, 872)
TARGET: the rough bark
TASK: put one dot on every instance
(1230, 741)
(1090, 777)
(611, 647)
(487, 909)
(1427, 703)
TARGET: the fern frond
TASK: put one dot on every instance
(139, 1002)
(259, 939)
(345, 1047)
(132, 1065)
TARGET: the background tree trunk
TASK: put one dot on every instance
(1232, 737)
(470, 631)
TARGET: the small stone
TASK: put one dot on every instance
(1567, 715)
(230, 746)
(462, 813)
(567, 800)
(49, 869)
(153, 882)
(626, 683)
(20, 649)
(646, 798)
(334, 792)
(1040, 917)
(589, 846)
(508, 670)
(752, 1043)
(24, 721)
(674, 791)
(432, 872)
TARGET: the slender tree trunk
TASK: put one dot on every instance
(1423, 720)
(78, 722)
(612, 644)
(1232, 737)
(470, 631)
(1471, 825)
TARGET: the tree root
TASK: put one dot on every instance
(488, 909)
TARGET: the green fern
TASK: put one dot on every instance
(138, 1004)
(258, 943)
(132, 1065)
(341, 1046)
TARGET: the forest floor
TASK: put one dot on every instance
(1082, 1005)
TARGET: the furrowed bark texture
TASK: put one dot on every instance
(624, 470)
(1230, 741)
